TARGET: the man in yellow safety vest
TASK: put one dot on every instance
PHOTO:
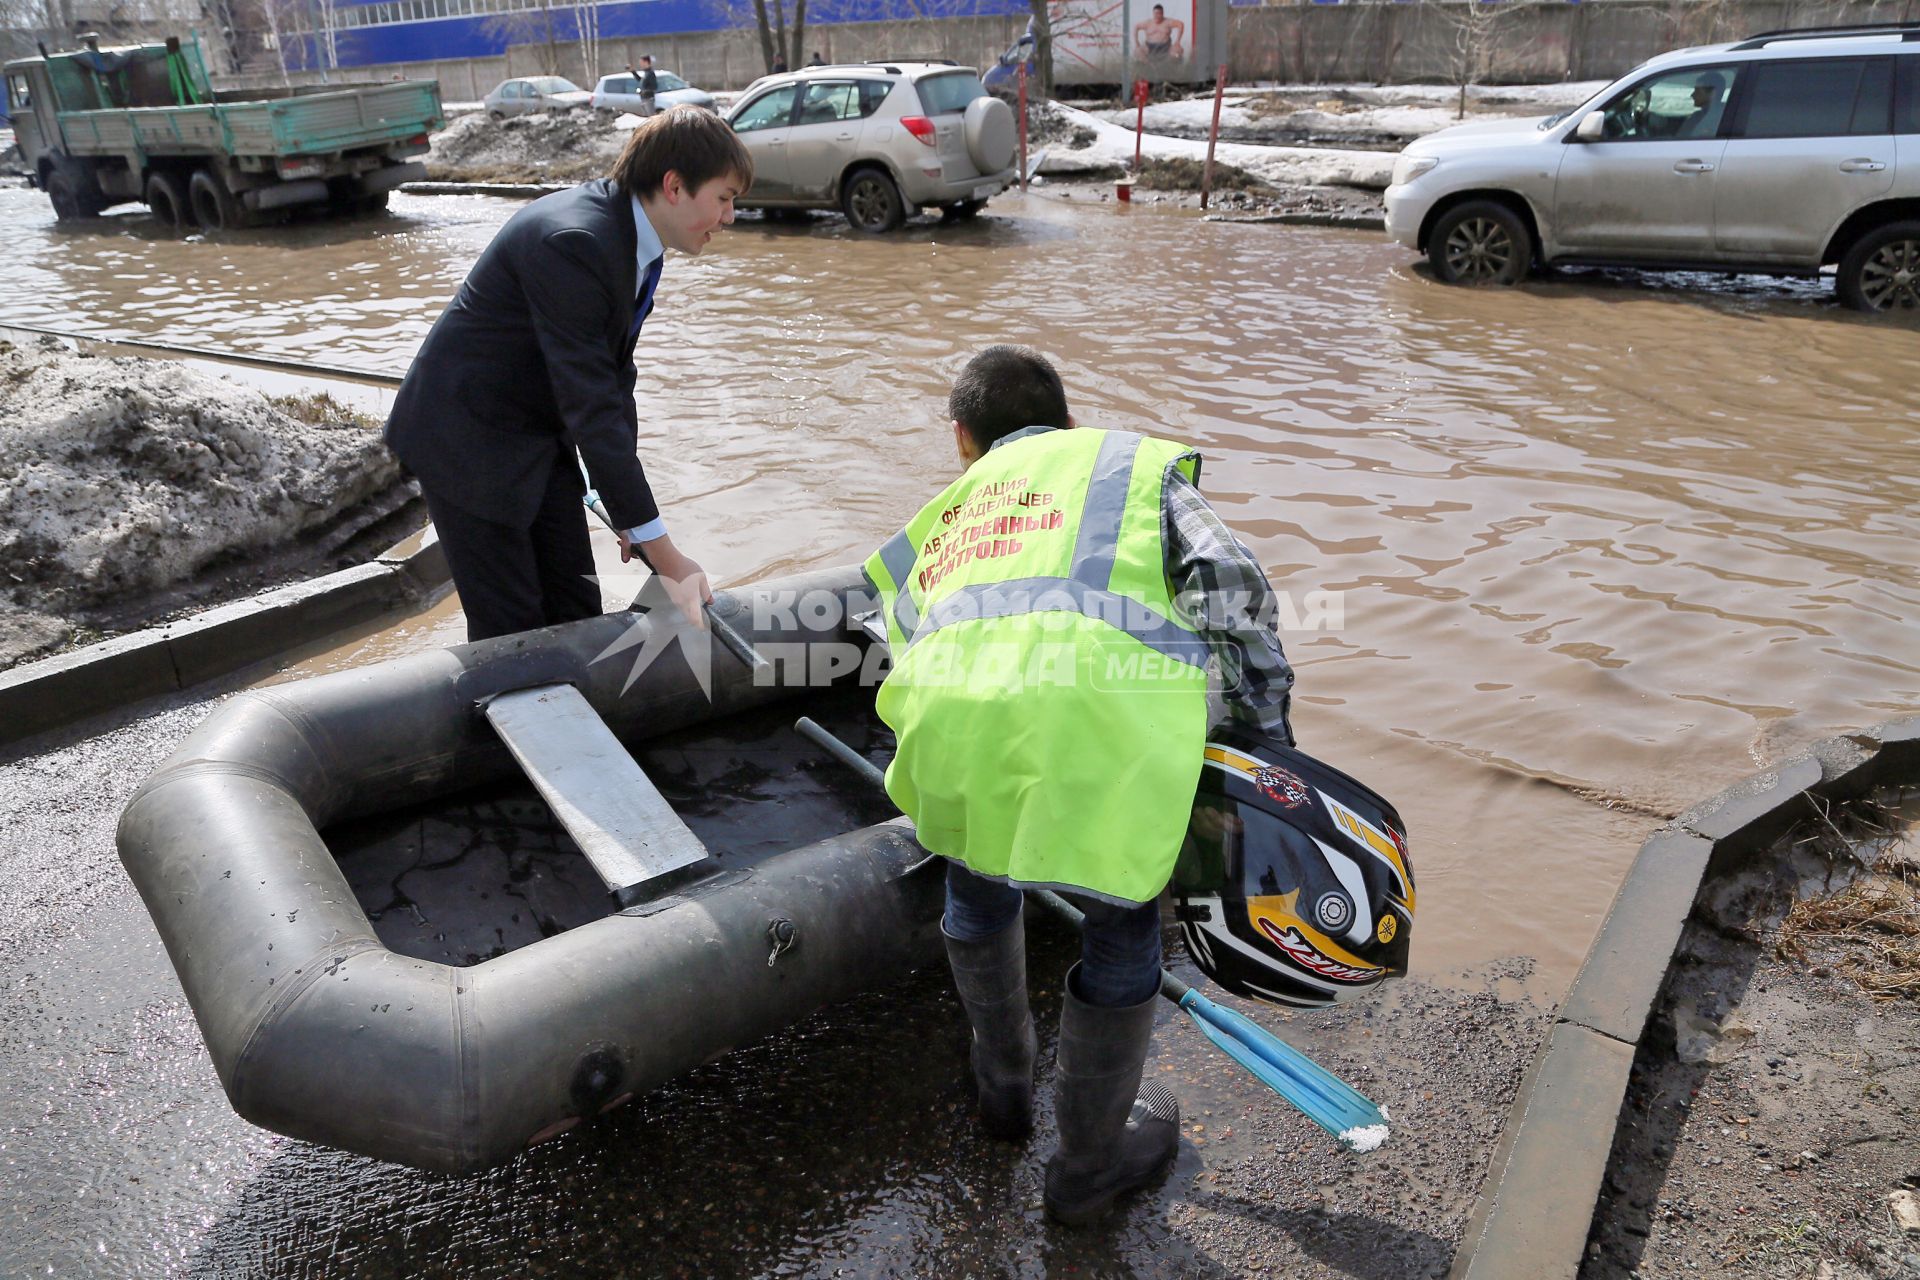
(1051, 615)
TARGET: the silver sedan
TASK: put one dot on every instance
(622, 93)
(528, 94)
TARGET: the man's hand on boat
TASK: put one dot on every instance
(685, 581)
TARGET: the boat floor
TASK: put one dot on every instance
(472, 876)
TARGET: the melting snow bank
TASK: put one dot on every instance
(1112, 145)
(123, 478)
(565, 146)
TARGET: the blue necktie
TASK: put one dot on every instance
(643, 304)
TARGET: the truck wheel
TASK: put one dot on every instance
(168, 203)
(871, 202)
(1480, 242)
(73, 194)
(1881, 272)
(215, 207)
(66, 200)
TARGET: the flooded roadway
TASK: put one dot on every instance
(1600, 545)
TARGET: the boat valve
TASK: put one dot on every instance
(781, 933)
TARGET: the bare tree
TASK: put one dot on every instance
(270, 10)
(60, 21)
(529, 27)
(1474, 30)
(780, 33)
(586, 19)
(329, 48)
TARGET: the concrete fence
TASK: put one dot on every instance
(1507, 43)
(1435, 41)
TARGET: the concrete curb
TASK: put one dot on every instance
(1345, 221)
(514, 190)
(1532, 1218)
(57, 691)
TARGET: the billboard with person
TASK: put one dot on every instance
(1119, 41)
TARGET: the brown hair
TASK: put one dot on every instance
(690, 141)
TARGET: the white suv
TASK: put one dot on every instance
(1783, 153)
(875, 140)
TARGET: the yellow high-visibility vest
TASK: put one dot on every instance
(1049, 700)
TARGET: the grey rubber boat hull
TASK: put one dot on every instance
(319, 1032)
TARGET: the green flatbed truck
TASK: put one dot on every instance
(99, 127)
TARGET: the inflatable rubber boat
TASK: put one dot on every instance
(327, 1023)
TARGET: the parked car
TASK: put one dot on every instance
(1003, 77)
(529, 94)
(1783, 154)
(622, 93)
(876, 141)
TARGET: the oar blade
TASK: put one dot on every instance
(1321, 1096)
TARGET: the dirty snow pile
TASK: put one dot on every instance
(569, 146)
(1112, 146)
(121, 477)
(1363, 115)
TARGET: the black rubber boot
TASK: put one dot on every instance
(991, 977)
(1115, 1136)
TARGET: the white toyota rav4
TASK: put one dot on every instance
(1784, 153)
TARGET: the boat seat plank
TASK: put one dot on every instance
(602, 797)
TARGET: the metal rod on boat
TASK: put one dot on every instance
(1316, 1092)
(736, 644)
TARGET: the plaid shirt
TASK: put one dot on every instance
(1221, 591)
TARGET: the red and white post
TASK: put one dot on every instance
(1023, 127)
(1213, 135)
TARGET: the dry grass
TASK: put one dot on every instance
(320, 409)
(1269, 106)
(1181, 174)
(1870, 928)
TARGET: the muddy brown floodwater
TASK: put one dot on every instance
(1561, 560)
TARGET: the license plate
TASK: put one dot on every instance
(986, 191)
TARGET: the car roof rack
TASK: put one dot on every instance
(1909, 31)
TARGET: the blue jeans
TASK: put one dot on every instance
(1119, 946)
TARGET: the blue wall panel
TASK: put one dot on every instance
(472, 38)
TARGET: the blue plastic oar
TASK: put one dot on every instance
(1319, 1095)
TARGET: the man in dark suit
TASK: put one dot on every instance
(533, 361)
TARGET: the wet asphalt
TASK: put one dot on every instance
(841, 1147)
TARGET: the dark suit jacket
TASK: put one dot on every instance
(532, 353)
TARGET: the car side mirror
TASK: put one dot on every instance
(1590, 127)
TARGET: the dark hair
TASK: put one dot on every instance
(1004, 389)
(690, 141)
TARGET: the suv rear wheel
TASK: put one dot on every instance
(1882, 270)
(871, 202)
(1480, 242)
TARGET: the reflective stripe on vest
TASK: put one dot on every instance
(1084, 590)
(898, 557)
